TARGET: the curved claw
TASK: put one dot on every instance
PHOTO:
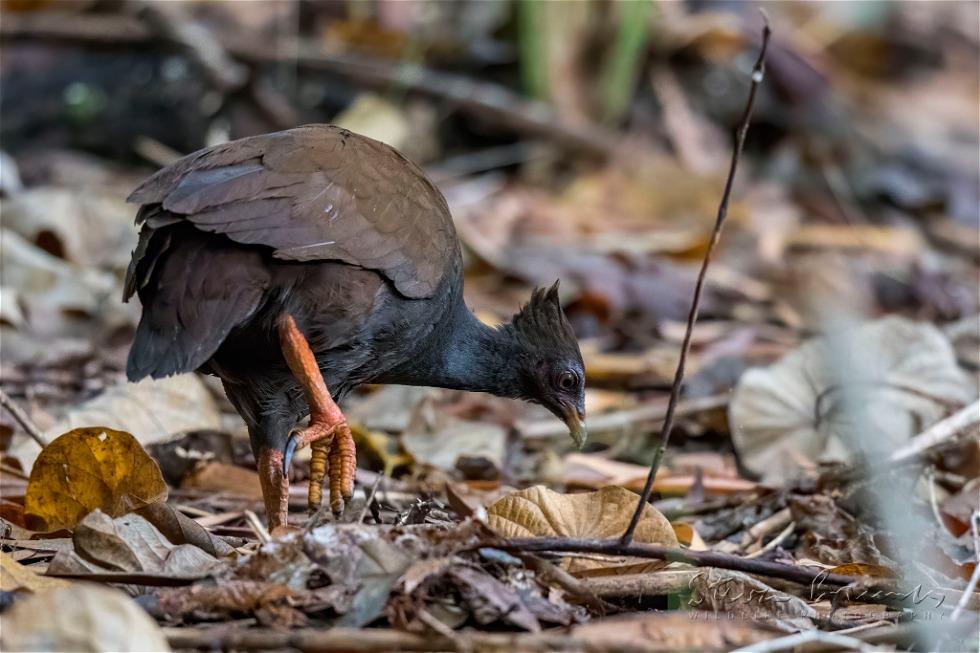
(287, 457)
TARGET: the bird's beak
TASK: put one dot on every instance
(575, 420)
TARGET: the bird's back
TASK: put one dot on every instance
(339, 230)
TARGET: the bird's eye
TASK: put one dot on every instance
(567, 381)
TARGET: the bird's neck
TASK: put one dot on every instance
(463, 353)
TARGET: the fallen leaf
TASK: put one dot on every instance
(153, 410)
(180, 529)
(593, 471)
(491, 600)
(958, 508)
(88, 469)
(357, 557)
(54, 293)
(90, 227)
(831, 535)
(16, 576)
(669, 631)
(540, 512)
(453, 443)
(271, 602)
(794, 411)
(80, 617)
(898, 241)
(471, 497)
(862, 569)
(389, 408)
(217, 477)
(131, 544)
(421, 570)
(689, 536)
(740, 596)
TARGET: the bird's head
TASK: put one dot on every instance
(549, 360)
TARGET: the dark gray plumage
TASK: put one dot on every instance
(354, 242)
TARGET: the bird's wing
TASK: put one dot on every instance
(314, 193)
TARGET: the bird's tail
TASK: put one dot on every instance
(195, 288)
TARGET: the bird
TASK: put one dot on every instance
(298, 265)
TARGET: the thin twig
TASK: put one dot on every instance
(555, 576)
(368, 498)
(938, 434)
(257, 527)
(774, 542)
(794, 642)
(22, 418)
(794, 573)
(758, 72)
(975, 577)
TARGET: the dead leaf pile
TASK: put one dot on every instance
(129, 544)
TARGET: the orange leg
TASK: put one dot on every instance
(327, 434)
(275, 487)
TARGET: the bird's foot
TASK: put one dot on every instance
(333, 455)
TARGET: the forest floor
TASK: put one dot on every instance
(821, 487)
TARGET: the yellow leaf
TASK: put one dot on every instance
(604, 514)
(16, 576)
(91, 468)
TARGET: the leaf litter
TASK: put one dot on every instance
(881, 209)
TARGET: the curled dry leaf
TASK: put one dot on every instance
(91, 468)
(795, 411)
(180, 529)
(540, 512)
(80, 617)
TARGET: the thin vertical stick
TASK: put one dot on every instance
(22, 418)
(758, 72)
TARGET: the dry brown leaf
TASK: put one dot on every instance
(91, 468)
(689, 536)
(16, 576)
(669, 631)
(540, 512)
(80, 617)
(212, 476)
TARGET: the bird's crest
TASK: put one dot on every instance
(542, 318)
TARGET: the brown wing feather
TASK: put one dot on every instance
(316, 193)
